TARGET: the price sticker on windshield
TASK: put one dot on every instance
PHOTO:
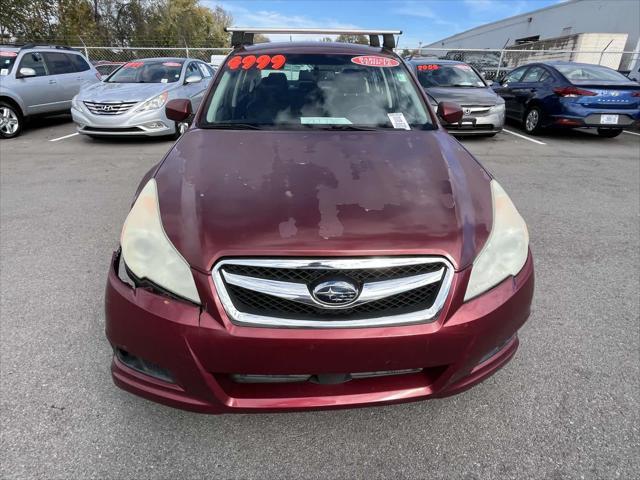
(462, 66)
(246, 62)
(375, 61)
(424, 68)
(133, 64)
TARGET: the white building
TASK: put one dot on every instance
(560, 20)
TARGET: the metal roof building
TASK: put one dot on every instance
(560, 20)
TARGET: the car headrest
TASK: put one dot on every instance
(305, 76)
(276, 80)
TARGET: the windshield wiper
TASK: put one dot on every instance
(359, 128)
(234, 126)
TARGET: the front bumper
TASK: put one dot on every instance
(480, 124)
(126, 124)
(201, 350)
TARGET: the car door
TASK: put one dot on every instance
(194, 91)
(531, 85)
(63, 71)
(508, 87)
(40, 92)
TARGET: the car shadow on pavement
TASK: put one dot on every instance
(586, 134)
(39, 123)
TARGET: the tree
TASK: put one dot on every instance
(345, 38)
(260, 38)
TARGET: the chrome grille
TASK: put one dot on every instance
(281, 293)
(476, 110)
(115, 108)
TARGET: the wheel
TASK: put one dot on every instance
(609, 132)
(11, 121)
(533, 121)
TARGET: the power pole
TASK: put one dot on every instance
(95, 11)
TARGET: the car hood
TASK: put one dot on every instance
(122, 92)
(244, 193)
(464, 96)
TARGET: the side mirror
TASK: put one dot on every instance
(178, 110)
(193, 79)
(450, 112)
(27, 72)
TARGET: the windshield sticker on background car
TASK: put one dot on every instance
(4, 71)
(274, 62)
(462, 66)
(325, 121)
(164, 80)
(423, 68)
(6, 53)
(133, 64)
(398, 120)
(172, 64)
(375, 61)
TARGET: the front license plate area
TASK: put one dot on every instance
(609, 119)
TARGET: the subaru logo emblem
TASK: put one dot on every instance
(335, 292)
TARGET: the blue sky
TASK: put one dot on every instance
(420, 20)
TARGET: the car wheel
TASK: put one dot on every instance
(609, 132)
(533, 121)
(11, 121)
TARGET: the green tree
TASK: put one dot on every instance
(345, 38)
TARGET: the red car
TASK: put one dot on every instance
(315, 239)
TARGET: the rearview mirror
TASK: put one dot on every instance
(450, 112)
(178, 110)
(193, 79)
(27, 72)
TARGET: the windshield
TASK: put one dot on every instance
(315, 91)
(156, 71)
(454, 75)
(588, 73)
(7, 59)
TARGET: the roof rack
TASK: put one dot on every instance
(244, 35)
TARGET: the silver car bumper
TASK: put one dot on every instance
(149, 123)
(478, 124)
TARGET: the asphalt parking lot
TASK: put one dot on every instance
(567, 406)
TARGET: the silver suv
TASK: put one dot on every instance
(39, 80)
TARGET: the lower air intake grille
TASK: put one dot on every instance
(306, 292)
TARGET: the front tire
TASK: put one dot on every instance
(609, 132)
(533, 121)
(11, 121)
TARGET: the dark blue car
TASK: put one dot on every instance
(568, 94)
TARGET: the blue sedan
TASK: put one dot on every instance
(568, 94)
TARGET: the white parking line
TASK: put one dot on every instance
(631, 133)
(522, 136)
(62, 138)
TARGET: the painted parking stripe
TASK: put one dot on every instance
(62, 138)
(631, 133)
(522, 136)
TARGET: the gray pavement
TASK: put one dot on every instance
(567, 406)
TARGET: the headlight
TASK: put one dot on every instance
(148, 252)
(497, 108)
(507, 247)
(154, 103)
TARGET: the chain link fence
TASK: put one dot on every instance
(495, 63)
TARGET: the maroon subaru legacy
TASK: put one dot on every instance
(315, 239)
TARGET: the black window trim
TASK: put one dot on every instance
(44, 63)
